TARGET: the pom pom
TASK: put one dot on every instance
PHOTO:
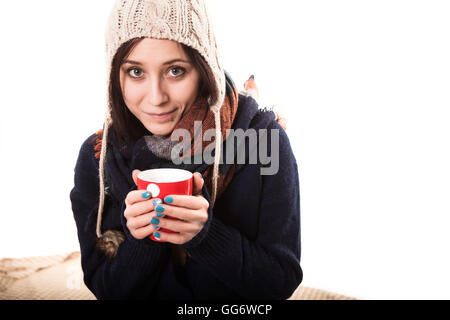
(110, 241)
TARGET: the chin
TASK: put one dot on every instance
(160, 130)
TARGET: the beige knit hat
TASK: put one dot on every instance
(184, 21)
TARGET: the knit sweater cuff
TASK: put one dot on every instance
(140, 256)
(214, 250)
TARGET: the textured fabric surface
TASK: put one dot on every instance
(57, 277)
(306, 293)
(60, 277)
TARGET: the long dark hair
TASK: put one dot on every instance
(126, 127)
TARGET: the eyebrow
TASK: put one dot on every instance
(165, 63)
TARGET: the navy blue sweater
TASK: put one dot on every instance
(248, 249)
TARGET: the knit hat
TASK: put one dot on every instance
(184, 21)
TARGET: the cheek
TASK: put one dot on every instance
(187, 92)
(131, 93)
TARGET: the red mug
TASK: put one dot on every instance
(163, 182)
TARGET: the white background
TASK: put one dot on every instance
(365, 88)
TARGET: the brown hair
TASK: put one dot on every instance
(126, 127)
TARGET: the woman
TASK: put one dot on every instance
(238, 235)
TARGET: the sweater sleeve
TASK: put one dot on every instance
(133, 272)
(268, 266)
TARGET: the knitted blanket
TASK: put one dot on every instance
(60, 277)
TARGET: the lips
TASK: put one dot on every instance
(161, 116)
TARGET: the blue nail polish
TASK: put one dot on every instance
(159, 209)
(157, 235)
(168, 199)
(156, 201)
(159, 215)
(154, 221)
(146, 195)
(155, 227)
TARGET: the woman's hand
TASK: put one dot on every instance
(191, 213)
(139, 211)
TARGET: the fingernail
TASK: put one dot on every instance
(154, 221)
(156, 201)
(146, 195)
(159, 215)
(156, 227)
(168, 199)
(157, 235)
(159, 209)
(199, 174)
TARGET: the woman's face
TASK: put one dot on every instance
(159, 84)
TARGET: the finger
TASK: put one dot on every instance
(181, 213)
(282, 122)
(250, 83)
(176, 225)
(140, 221)
(198, 183)
(189, 202)
(140, 208)
(134, 175)
(137, 196)
(144, 232)
(175, 238)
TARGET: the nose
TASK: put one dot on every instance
(156, 93)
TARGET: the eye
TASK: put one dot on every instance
(135, 72)
(177, 71)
